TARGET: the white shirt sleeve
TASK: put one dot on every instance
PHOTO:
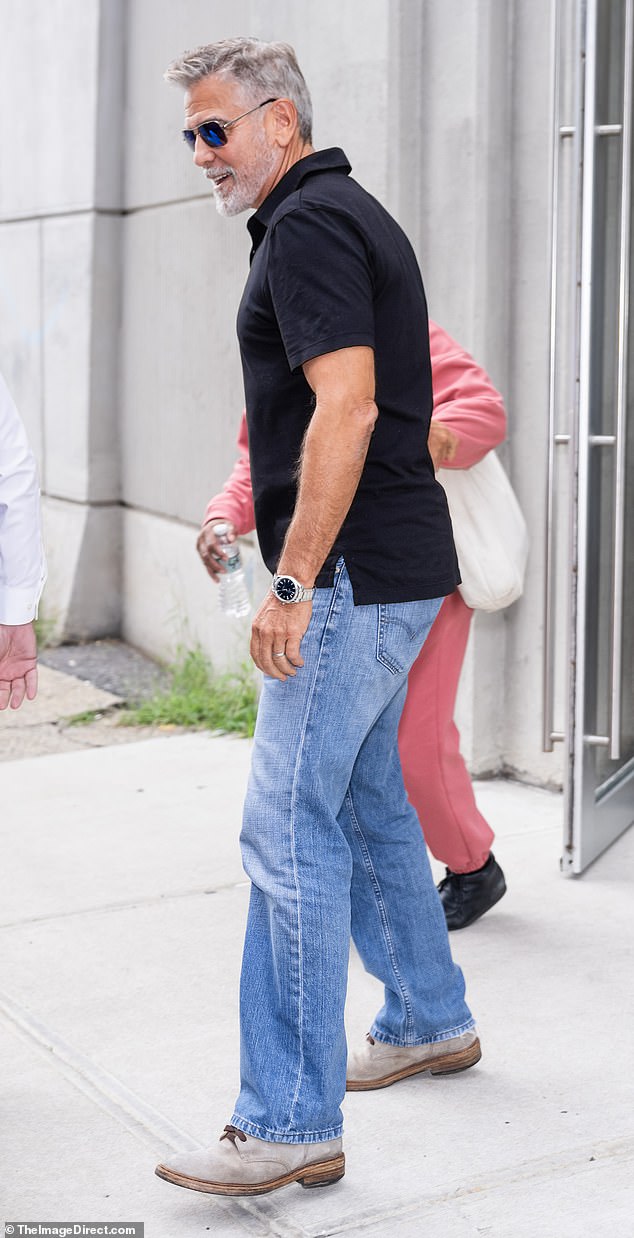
(22, 562)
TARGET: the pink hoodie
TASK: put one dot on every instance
(465, 400)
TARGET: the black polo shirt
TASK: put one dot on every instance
(331, 269)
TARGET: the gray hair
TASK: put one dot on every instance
(264, 69)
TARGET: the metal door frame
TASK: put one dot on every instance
(580, 442)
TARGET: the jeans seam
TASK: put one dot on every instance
(381, 654)
(300, 754)
(367, 859)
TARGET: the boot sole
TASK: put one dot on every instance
(450, 1064)
(321, 1173)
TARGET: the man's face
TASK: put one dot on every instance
(244, 171)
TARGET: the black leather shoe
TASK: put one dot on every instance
(466, 896)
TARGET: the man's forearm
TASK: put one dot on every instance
(333, 457)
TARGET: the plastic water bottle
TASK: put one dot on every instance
(234, 596)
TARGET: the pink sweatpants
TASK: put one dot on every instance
(435, 774)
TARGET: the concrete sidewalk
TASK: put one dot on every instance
(123, 903)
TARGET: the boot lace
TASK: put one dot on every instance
(232, 1132)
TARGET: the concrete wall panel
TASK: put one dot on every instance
(105, 321)
(67, 283)
(81, 306)
(170, 601)
(96, 603)
(48, 92)
(465, 174)
(181, 394)
(529, 284)
(63, 531)
(109, 134)
(81, 290)
(82, 597)
(454, 193)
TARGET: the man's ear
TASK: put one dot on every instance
(282, 120)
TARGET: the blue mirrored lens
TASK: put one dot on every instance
(212, 134)
(190, 137)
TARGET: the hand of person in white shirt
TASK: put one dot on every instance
(18, 664)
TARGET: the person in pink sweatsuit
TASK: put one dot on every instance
(468, 421)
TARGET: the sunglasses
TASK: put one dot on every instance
(214, 132)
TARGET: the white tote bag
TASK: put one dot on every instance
(489, 531)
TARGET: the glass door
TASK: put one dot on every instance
(591, 456)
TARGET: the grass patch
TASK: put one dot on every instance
(86, 717)
(201, 697)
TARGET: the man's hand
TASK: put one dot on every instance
(211, 551)
(442, 444)
(18, 664)
(276, 636)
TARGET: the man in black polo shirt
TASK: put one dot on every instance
(350, 519)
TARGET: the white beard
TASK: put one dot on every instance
(241, 190)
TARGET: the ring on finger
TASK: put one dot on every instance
(280, 655)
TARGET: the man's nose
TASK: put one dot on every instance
(204, 155)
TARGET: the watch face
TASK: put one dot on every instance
(286, 588)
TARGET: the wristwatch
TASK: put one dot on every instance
(287, 589)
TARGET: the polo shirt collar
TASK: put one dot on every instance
(331, 160)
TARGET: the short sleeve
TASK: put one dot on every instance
(320, 280)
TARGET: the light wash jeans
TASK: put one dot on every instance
(333, 846)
